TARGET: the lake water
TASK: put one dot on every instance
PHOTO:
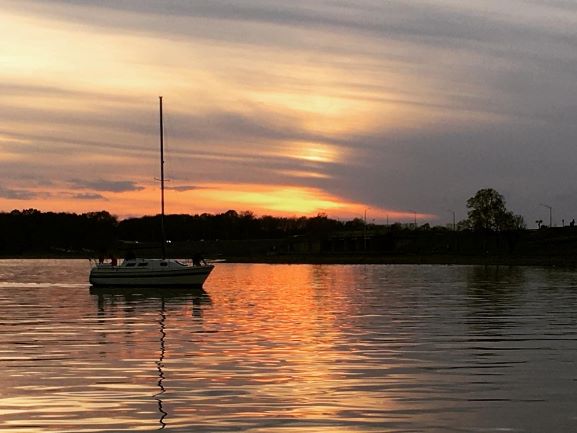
(291, 349)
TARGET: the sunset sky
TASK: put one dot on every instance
(290, 107)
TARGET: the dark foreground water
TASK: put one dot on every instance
(292, 349)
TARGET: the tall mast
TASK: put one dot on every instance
(162, 182)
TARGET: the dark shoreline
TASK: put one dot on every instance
(410, 260)
(360, 259)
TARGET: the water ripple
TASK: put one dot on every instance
(292, 349)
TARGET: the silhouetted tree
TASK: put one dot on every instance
(355, 224)
(487, 212)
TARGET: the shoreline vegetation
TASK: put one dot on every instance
(488, 237)
(411, 260)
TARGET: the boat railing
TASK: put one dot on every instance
(100, 262)
(193, 262)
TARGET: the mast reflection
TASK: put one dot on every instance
(160, 366)
(132, 298)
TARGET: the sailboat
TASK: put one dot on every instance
(144, 272)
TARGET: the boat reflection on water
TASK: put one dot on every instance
(133, 296)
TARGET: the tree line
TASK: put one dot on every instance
(33, 231)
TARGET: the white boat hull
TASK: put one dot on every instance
(149, 273)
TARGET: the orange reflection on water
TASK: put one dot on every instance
(298, 345)
(264, 343)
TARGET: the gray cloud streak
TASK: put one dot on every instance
(421, 22)
(18, 194)
(88, 196)
(106, 185)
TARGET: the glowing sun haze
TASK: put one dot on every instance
(288, 108)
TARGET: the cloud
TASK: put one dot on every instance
(184, 188)
(223, 125)
(106, 185)
(18, 194)
(21, 89)
(439, 22)
(88, 196)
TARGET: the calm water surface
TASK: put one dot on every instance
(292, 349)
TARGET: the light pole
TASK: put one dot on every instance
(550, 214)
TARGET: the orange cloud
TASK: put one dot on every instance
(278, 200)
